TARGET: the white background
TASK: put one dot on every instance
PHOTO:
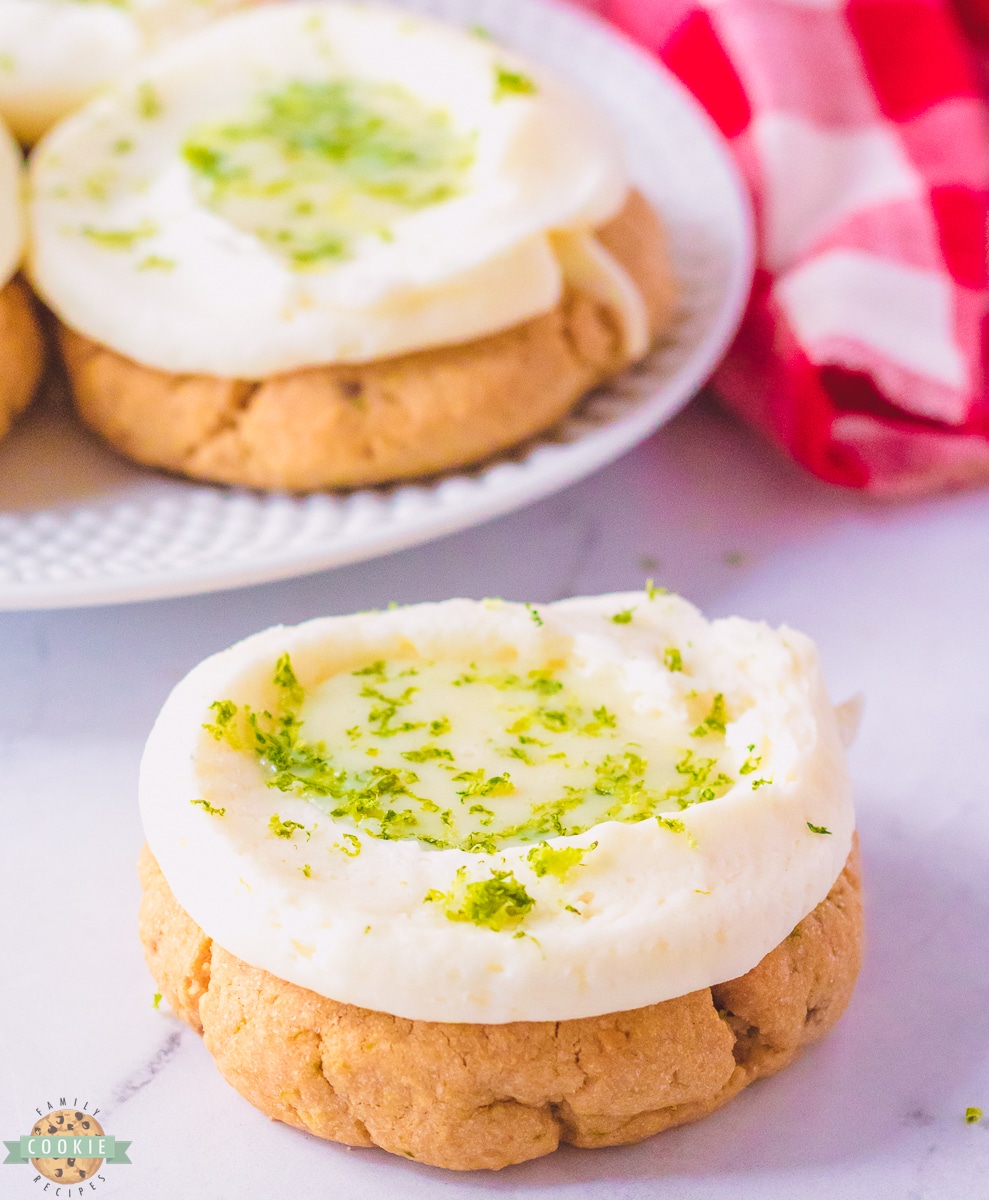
(896, 598)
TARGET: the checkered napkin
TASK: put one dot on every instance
(860, 127)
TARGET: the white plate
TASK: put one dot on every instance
(80, 526)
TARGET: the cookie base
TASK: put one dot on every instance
(467, 1096)
(360, 424)
(22, 353)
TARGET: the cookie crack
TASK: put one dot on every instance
(229, 418)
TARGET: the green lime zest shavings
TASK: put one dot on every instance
(207, 807)
(758, 783)
(156, 1000)
(376, 669)
(715, 721)
(543, 683)
(210, 162)
(529, 938)
(973, 1115)
(119, 239)
(617, 774)
(386, 801)
(314, 166)
(558, 862)
(624, 617)
(511, 83)
(556, 720)
(295, 766)
(479, 785)
(752, 763)
(652, 591)
(285, 829)
(352, 848)
(696, 770)
(700, 787)
(325, 250)
(223, 728)
(534, 614)
(373, 693)
(427, 753)
(148, 102)
(518, 752)
(672, 659)
(386, 711)
(306, 870)
(540, 681)
(285, 679)
(97, 184)
(675, 825)
(154, 262)
(818, 828)
(603, 719)
(498, 903)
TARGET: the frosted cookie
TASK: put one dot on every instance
(56, 54)
(466, 880)
(21, 351)
(326, 245)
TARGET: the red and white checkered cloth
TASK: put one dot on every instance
(861, 129)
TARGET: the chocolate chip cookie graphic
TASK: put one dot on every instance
(67, 1123)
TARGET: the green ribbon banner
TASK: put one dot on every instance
(43, 1146)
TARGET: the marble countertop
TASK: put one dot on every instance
(896, 598)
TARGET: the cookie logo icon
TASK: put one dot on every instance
(67, 1123)
(67, 1146)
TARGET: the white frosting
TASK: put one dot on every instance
(151, 256)
(55, 54)
(590, 268)
(660, 910)
(11, 202)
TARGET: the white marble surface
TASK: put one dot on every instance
(896, 598)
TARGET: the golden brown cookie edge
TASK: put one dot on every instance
(22, 351)
(469, 1097)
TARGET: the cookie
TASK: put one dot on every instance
(21, 351)
(67, 1122)
(466, 1096)
(355, 425)
(57, 57)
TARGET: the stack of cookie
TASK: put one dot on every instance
(326, 245)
